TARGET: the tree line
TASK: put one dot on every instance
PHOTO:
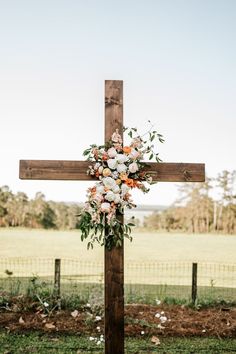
(18, 210)
(201, 207)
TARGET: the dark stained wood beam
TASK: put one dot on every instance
(114, 258)
(76, 170)
(55, 170)
(176, 172)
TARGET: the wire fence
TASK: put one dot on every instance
(144, 282)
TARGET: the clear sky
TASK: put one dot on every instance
(176, 57)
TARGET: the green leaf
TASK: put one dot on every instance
(151, 156)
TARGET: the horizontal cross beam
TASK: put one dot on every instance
(76, 170)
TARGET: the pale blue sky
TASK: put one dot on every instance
(177, 59)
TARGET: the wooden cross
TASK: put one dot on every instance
(76, 170)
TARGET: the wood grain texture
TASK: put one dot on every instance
(113, 108)
(114, 259)
(76, 171)
(114, 300)
(55, 170)
(176, 172)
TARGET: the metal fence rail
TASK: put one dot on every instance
(143, 281)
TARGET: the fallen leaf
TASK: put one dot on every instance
(21, 321)
(43, 315)
(50, 326)
(75, 313)
(155, 340)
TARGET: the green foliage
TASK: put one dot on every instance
(111, 235)
(73, 301)
(35, 342)
(40, 292)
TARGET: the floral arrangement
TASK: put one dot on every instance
(119, 169)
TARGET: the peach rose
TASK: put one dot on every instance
(106, 172)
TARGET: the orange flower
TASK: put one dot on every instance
(105, 157)
(127, 150)
(130, 182)
(136, 183)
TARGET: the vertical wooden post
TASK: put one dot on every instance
(114, 259)
(57, 280)
(194, 283)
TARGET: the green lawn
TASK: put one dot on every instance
(71, 344)
(146, 247)
(163, 260)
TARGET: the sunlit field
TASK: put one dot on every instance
(151, 259)
(145, 247)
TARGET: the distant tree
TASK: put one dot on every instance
(225, 206)
(5, 196)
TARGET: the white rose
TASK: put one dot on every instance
(105, 207)
(124, 188)
(116, 189)
(115, 174)
(121, 167)
(98, 197)
(100, 189)
(112, 164)
(134, 154)
(109, 182)
(100, 169)
(133, 167)
(112, 152)
(121, 158)
(117, 199)
(110, 196)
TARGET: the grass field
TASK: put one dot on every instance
(74, 344)
(156, 265)
(146, 247)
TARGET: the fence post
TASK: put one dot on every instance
(194, 283)
(57, 280)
